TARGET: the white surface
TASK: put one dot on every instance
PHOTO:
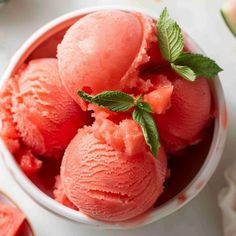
(201, 19)
(226, 201)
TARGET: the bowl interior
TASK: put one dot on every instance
(189, 172)
(183, 168)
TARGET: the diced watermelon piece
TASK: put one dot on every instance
(10, 220)
(28, 162)
(160, 98)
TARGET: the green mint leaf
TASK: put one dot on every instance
(169, 37)
(145, 107)
(184, 71)
(114, 100)
(187, 65)
(201, 65)
(164, 18)
(138, 100)
(145, 120)
(85, 96)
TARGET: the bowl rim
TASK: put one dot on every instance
(172, 205)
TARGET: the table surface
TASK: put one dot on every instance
(202, 20)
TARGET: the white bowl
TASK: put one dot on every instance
(194, 186)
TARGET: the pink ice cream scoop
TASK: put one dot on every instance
(185, 122)
(103, 50)
(109, 173)
(46, 116)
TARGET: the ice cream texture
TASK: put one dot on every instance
(45, 115)
(60, 195)
(8, 130)
(108, 173)
(190, 113)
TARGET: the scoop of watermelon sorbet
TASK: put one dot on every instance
(8, 130)
(103, 50)
(45, 115)
(189, 114)
(109, 173)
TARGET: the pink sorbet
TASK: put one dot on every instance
(110, 174)
(46, 116)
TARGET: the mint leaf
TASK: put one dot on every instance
(145, 107)
(184, 71)
(187, 65)
(85, 96)
(164, 18)
(201, 65)
(138, 100)
(169, 37)
(114, 100)
(145, 120)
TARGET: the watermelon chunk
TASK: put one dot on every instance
(28, 162)
(10, 220)
(160, 98)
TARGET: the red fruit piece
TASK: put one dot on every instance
(183, 124)
(160, 97)
(28, 162)
(11, 220)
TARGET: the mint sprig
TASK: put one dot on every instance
(201, 65)
(145, 120)
(169, 37)
(187, 65)
(120, 102)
